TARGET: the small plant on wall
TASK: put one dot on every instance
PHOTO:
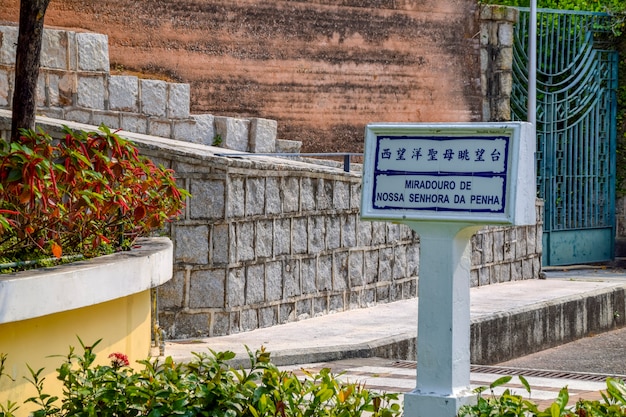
(88, 193)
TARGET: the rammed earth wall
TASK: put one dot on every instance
(264, 240)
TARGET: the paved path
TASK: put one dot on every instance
(322, 342)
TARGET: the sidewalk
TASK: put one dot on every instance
(354, 341)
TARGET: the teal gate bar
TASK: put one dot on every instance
(576, 131)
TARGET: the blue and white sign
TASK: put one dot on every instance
(464, 172)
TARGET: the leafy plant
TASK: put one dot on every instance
(508, 404)
(88, 193)
(206, 386)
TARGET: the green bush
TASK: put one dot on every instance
(206, 386)
(88, 193)
(508, 404)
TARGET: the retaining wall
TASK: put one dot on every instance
(264, 240)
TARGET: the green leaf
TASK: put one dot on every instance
(500, 381)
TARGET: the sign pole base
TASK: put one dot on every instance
(443, 333)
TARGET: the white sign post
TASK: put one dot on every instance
(446, 181)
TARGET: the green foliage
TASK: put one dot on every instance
(583, 5)
(88, 193)
(508, 404)
(206, 386)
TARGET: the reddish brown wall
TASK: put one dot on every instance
(322, 68)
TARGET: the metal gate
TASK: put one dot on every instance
(576, 131)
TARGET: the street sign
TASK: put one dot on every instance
(445, 181)
(453, 172)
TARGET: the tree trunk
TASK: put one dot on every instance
(27, 64)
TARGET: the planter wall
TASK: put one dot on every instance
(43, 311)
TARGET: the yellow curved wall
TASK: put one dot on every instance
(122, 324)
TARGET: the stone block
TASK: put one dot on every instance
(91, 92)
(364, 233)
(108, 118)
(244, 241)
(356, 274)
(348, 231)
(153, 98)
(290, 191)
(506, 35)
(235, 287)
(207, 289)
(54, 47)
(286, 313)
(208, 201)
(336, 303)
(307, 194)
(263, 135)
(282, 237)
(191, 244)
(355, 196)
(135, 123)
(324, 194)
(233, 132)
(8, 44)
(41, 97)
(220, 244)
(93, 52)
(412, 260)
(78, 115)
(320, 306)
(316, 232)
(291, 279)
(299, 236)
(171, 293)
(204, 131)
(124, 93)
(272, 196)
(67, 90)
(288, 146)
(324, 280)
(333, 232)
(385, 260)
(178, 99)
(382, 293)
(273, 281)
(255, 284)
(498, 246)
(400, 262)
(484, 276)
(268, 316)
(255, 196)
(249, 319)
(219, 324)
(308, 273)
(379, 233)
(304, 309)
(4, 88)
(340, 271)
(341, 195)
(185, 130)
(160, 128)
(236, 197)
(370, 272)
(190, 325)
(263, 239)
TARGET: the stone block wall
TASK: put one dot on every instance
(496, 60)
(267, 240)
(75, 84)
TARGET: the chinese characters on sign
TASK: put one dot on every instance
(441, 173)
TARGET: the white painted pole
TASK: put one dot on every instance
(532, 64)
